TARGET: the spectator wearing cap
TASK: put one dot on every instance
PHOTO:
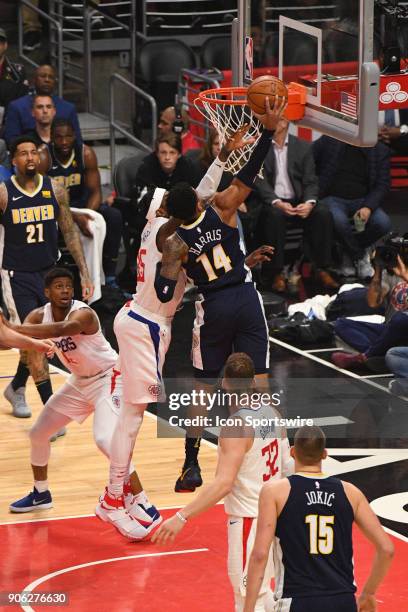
(19, 118)
(10, 71)
(170, 123)
(13, 82)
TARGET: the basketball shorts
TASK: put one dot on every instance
(22, 292)
(334, 603)
(143, 344)
(241, 537)
(79, 397)
(229, 320)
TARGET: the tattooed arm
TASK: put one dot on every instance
(71, 236)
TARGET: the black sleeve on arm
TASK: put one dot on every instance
(164, 287)
(250, 171)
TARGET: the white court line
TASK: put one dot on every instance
(77, 516)
(325, 350)
(312, 357)
(389, 375)
(39, 581)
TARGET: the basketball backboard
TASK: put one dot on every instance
(329, 48)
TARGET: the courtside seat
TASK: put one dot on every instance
(399, 173)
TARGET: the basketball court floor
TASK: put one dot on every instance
(68, 550)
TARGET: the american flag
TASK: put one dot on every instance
(348, 104)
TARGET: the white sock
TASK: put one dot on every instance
(122, 444)
(41, 485)
(141, 498)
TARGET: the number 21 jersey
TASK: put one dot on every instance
(29, 231)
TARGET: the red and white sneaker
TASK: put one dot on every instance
(112, 510)
(145, 513)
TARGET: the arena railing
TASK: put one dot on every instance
(59, 36)
(187, 93)
(114, 126)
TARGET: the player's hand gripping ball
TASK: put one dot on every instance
(263, 87)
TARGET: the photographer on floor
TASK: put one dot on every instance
(388, 287)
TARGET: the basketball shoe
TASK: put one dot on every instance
(189, 479)
(32, 501)
(135, 524)
(18, 401)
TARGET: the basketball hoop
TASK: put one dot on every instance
(226, 109)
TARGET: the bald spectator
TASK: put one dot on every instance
(169, 124)
(19, 118)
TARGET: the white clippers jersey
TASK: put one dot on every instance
(148, 258)
(84, 355)
(266, 459)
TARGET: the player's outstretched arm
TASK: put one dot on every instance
(211, 180)
(371, 527)
(71, 236)
(13, 339)
(231, 455)
(82, 321)
(265, 532)
(232, 197)
(175, 252)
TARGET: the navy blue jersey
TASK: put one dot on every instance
(313, 551)
(216, 256)
(71, 175)
(29, 240)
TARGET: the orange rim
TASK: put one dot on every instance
(227, 92)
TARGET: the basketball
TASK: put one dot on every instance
(266, 86)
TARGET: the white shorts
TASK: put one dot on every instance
(79, 397)
(143, 345)
(241, 538)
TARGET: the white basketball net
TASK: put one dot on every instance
(227, 118)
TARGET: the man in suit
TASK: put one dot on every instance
(19, 118)
(353, 182)
(394, 131)
(289, 192)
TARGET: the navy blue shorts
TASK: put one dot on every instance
(227, 321)
(22, 292)
(333, 603)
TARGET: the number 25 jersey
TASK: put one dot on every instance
(216, 254)
(29, 231)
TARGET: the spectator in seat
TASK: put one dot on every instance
(43, 112)
(289, 192)
(19, 118)
(166, 166)
(353, 182)
(394, 130)
(388, 287)
(205, 157)
(168, 125)
(75, 166)
(13, 82)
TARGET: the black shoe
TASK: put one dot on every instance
(32, 40)
(189, 479)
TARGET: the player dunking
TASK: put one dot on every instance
(247, 458)
(309, 518)
(143, 330)
(31, 207)
(94, 387)
(229, 314)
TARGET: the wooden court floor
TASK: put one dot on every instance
(77, 470)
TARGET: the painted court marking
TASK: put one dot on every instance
(73, 568)
(304, 353)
